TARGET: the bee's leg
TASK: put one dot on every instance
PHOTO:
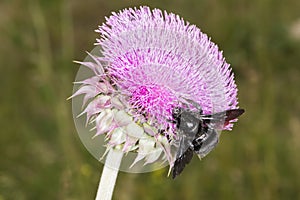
(208, 143)
(171, 121)
(197, 142)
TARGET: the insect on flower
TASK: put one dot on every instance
(198, 133)
(152, 66)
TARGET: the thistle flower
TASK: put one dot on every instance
(152, 62)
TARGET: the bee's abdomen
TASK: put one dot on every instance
(182, 161)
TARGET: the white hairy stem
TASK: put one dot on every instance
(109, 175)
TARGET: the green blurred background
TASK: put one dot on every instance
(42, 156)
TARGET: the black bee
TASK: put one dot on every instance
(198, 133)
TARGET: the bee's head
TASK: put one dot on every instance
(176, 112)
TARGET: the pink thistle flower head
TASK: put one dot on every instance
(152, 62)
(157, 58)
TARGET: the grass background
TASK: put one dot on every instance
(43, 158)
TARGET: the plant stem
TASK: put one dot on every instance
(109, 175)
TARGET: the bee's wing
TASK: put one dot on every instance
(184, 144)
(209, 143)
(218, 120)
(234, 113)
(215, 124)
(215, 121)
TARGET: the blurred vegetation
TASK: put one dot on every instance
(43, 158)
